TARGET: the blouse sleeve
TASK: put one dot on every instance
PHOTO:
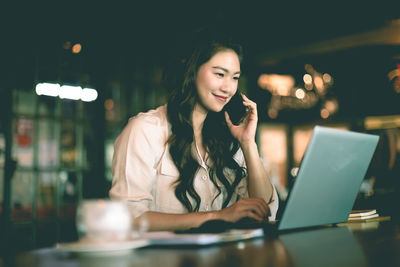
(137, 151)
(242, 189)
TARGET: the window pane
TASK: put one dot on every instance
(68, 144)
(24, 102)
(69, 190)
(22, 195)
(68, 108)
(48, 105)
(23, 138)
(47, 195)
(48, 145)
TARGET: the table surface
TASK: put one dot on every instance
(355, 244)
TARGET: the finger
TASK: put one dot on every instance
(260, 210)
(246, 99)
(256, 206)
(261, 206)
(254, 216)
(251, 106)
(228, 120)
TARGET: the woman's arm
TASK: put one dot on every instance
(158, 221)
(259, 184)
(255, 208)
(258, 181)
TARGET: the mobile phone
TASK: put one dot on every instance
(235, 108)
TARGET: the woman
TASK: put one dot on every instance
(185, 162)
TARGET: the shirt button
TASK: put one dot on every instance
(207, 208)
(204, 177)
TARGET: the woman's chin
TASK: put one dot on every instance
(217, 109)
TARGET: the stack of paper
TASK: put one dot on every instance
(365, 216)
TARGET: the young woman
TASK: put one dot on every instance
(185, 163)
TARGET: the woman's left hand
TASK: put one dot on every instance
(246, 130)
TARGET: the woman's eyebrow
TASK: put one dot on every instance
(224, 69)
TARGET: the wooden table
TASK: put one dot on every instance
(356, 244)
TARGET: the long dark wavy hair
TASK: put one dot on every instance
(217, 139)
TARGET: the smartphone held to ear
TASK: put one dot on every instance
(235, 108)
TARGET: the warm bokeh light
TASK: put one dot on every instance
(67, 45)
(277, 84)
(307, 78)
(327, 78)
(331, 106)
(319, 83)
(324, 113)
(382, 122)
(109, 104)
(309, 68)
(300, 94)
(272, 113)
(76, 49)
(309, 86)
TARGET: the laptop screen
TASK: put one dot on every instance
(329, 178)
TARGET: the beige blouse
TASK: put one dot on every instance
(144, 173)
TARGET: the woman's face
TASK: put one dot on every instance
(217, 80)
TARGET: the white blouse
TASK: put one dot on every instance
(144, 173)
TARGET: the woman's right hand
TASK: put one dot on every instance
(254, 208)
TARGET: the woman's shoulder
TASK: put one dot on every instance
(151, 125)
(151, 118)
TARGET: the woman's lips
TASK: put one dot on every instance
(221, 98)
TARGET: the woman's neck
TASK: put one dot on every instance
(198, 117)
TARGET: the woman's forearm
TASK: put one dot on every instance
(158, 221)
(259, 184)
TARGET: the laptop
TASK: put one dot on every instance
(323, 193)
(329, 178)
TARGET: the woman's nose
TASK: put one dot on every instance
(227, 85)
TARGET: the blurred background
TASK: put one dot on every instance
(306, 63)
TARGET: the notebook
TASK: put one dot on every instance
(328, 179)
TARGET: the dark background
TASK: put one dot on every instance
(122, 37)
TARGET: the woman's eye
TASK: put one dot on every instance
(219, 74)
(236, 78)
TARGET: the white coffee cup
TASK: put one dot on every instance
(104, 220)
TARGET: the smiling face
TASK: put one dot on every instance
(217, 80)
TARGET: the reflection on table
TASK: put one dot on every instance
(357, 244)
(334, 246)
